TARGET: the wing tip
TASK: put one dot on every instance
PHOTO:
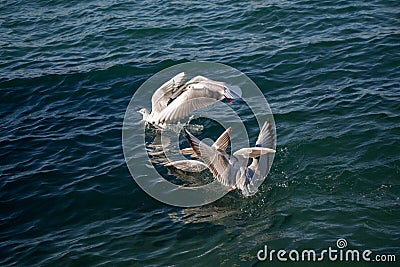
(267, 134)
(194, 145)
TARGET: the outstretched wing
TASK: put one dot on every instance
(223, 140)
(253, 152)
(230, 90)
(197, 79)
(216, 161)
(266, 140)
(220, 144)
(189, 101)
(161, 96)
(266, 137)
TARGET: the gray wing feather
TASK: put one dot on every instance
(216, 161)
(266, 137)
(223, 141)
(184, 104)
(253, 152)
(161, 96)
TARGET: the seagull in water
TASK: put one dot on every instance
(174, 100)
(232, 171)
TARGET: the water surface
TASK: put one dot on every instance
(329, 70)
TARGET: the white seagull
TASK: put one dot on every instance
(174, 101)
(232, 171)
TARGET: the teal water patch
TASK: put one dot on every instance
(329, 71)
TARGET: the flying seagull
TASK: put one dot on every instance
(232, 171)
(174, 100)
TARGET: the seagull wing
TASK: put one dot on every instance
(253, 152)
(220, 144)
(216, 161)
(223, 141)
(161, 96)
(266, 137)
(223, 88)
(266, 140)
(197, 79)
(189, 101)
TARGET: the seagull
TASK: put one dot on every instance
(174, 100)
(232, 171)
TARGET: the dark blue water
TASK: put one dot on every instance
(329, 70)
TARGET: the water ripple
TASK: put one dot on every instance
(68, 69)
